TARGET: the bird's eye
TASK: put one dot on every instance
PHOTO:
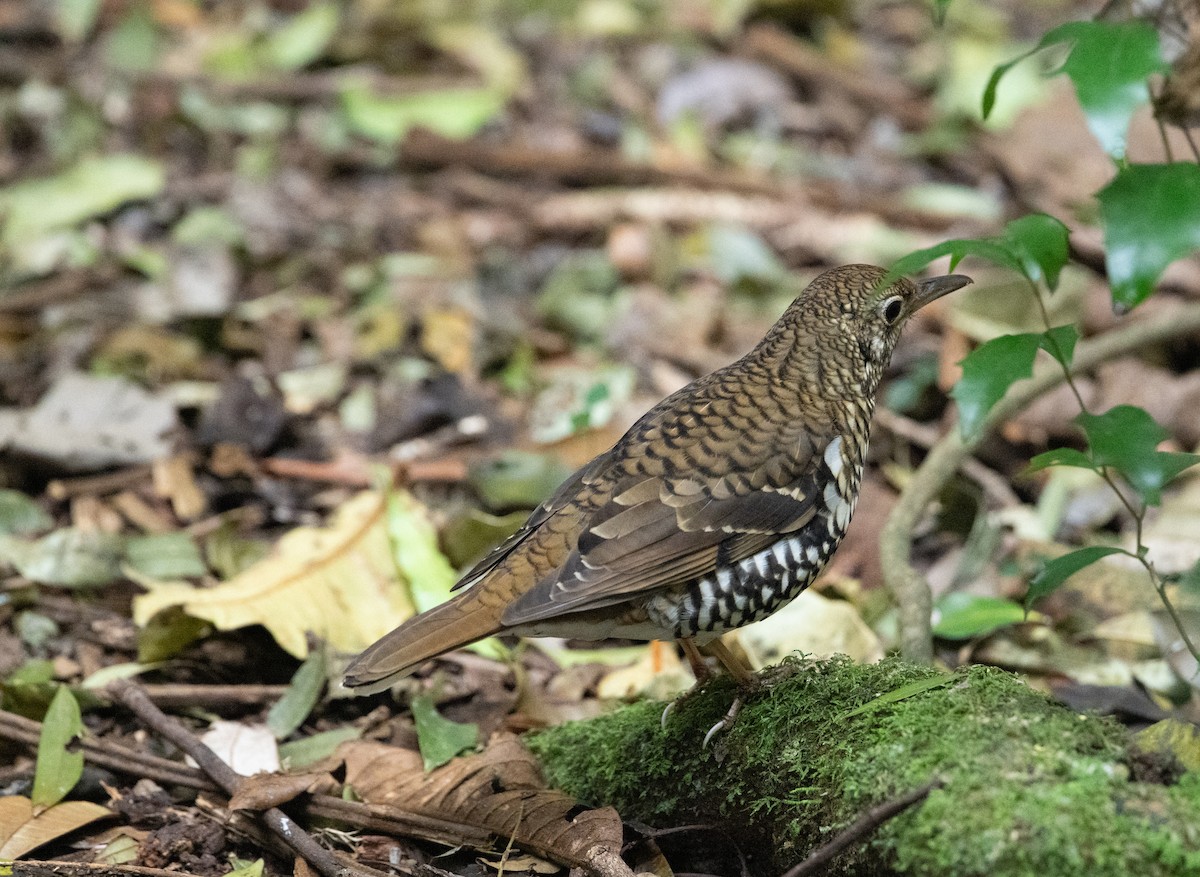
(891, 309)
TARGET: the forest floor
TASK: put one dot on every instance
(304, 306)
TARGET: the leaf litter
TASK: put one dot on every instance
(307, 236)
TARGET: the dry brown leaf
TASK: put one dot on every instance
(500, 789)
(266, 790)
(21, 831)
(338, 582)
(812, 624)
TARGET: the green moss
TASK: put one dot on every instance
(1027, 786)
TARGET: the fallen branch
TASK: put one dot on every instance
(820, 859)
(135, 699)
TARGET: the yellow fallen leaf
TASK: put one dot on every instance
(338, 582)
(21, 831)
(1172, 737)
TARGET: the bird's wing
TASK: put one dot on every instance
(567, 492)
(655, 529)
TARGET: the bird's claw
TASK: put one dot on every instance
(668, 710)
(726, 722)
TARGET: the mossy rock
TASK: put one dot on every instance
(1027, 786)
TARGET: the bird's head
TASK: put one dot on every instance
(849, 320)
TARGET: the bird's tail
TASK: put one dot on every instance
(460, 621)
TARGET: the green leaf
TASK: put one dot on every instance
(301, 753)
(415, 550)
(1040, 243)
(1125, 438)
(58, 770)
(455, 113)
(739, 257)
(989, 91)
(1060, 457)
(439, 738)
(898, 694)
(957, 250)
(1059, 342)
(168, 633)
(165, 556)
(92, 187)
(988, 371)
(964, 616)
(303, 39)
(76, 18)
(1108, 63)
(68, 557)
(135, 43)
(247, 869)
(1151, 215)
(1189, 580)
(1035, 246)
(1055, 572)
(20, 515)
(290, 711)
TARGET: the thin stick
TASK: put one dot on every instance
(133, 697)
(383, 818)
(87, 869)
(179, 694)
(859, 829)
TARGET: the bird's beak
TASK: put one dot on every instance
(936, 287)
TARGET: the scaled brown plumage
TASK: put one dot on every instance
(717, 507)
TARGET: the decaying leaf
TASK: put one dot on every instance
(248, 749)
(263, 791)
(815, 625)
(21, 831)
(500, 789)
(87, 422)
(658, 673)
(1173, 737)
(337, 581)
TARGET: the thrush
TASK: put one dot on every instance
(720, 505)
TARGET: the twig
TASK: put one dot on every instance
(59, 288)
(133, 697)
(179, 694)
(924, 436)
(908, 587)
(87, 869)
(106, 482)
(859, 829)
(384, 818)
(111, 756)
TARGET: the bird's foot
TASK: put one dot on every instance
(726, 721)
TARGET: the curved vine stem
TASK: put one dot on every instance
(908, 586)
(1136, 511)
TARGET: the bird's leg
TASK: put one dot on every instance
(742, 674)
(699, 669)
(737, 668)
(695, 659)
